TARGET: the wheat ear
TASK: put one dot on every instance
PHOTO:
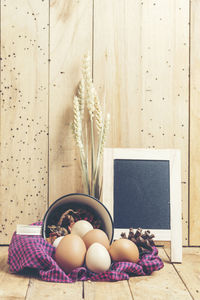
(77, 131)
(81, 97)
(89, 87)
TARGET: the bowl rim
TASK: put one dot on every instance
(78, 194)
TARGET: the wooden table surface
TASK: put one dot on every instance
(174, 281)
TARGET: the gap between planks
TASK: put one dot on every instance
(167, 252)
(174, 281)
(189, 270)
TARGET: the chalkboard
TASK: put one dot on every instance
(142, 188)
(141, 193)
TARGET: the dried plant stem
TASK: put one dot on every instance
(98, 156)
(87, 99)
(92, 156)
(97, 185)
(84, 168)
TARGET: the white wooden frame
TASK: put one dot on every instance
(173, 156)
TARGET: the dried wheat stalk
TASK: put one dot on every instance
(87, 99)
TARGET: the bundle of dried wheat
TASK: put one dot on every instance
(90, 128)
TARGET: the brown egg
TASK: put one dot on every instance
(124, 250)
(96, 236)
(81, 227)
(70, 253)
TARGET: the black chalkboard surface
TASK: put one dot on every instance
(141, 193)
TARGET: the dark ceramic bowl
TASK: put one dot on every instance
(71, 201)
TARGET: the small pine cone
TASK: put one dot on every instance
(123, 235)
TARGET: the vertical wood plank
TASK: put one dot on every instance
(141, 62)
(107, 290)
(194, 232)
(162, 284)
(12, 286)
(189, 270)
(24, 113)
(62, 291)
(70, 39)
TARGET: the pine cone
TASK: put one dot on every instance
(142, 240)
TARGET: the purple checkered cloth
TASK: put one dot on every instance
(34, 254)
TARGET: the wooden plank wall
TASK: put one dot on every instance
(24, 113)
(194, 211)
(137, 50)
(141, 60)
(70, 38)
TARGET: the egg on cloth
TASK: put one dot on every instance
(81, 227)
(124, 250)
(70, 253)
(96, 236)
(57, 241)
(97, 258)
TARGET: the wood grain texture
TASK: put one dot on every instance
(54, 291)
(189, 270)
(174, 281)
(107, 290)
(194, 224)
(70, 39)
(162, 284)
(24, 113)
(141, 51)
(12, 286)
